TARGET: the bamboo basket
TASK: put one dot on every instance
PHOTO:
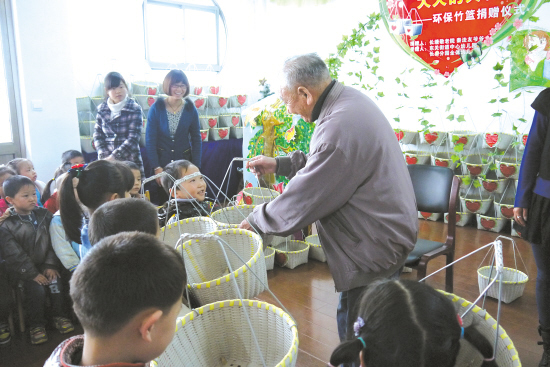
(290, 254)
(508, 167)
(200, 102)
(259, 195)
(315, 250)
(269, 255)
(221, 133)
(208, 274)
(488, 223)
(231, 217)
(465, 137)
(238, 100)
(416, 157)
(405, 136)
(498, 140)
(432, 137)
(218, 334)
(513, 283)
(148, 88)
(170, 234)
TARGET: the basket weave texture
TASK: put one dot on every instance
(296, 253)
(260, 195)
(269, 255)
(513, 283)
(199, 341)
(231, 217)
(208, 274)
(315, 250)
(506, 356)
(170, 234)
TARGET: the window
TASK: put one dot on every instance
(187, 35)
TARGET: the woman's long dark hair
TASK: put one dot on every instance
(95, 183)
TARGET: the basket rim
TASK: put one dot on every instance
(294, 252)
(479, 273)
(251, 304)
(219, 211)
(188, 220)
(246, 189)
(272, 253)
(241, 269)
(312, 244)
(492, 218)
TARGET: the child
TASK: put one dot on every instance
(119, 121)
(5, 173)
(24, 167)
(137, 179)
(68, 159)
(29, 257)
(90, 186)
(132, 320)
(127, 176)
(407, 323)
(190, 196)
(124, 215)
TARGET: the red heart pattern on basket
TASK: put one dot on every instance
(151, 91)
(411, 160)
(524, 139)
(491, 139)
(487, 223)
(247, 200)
(212, 122)
(222, 101)
(399, 135)
(506, 170)
(235, 120)
(473, 206)
(223, 133)
(440, 163)
(462, 140)
(203, 135)
(431, 137)
(150, 101)
(474, 170)
(426, 215)
(198, 90)
(490, 186)
(241, 99)
(214, 90)
(458, 217)
(507, 212)
(280, 258)
(199, 102)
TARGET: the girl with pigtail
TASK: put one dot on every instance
(408, 324)
(87, 187)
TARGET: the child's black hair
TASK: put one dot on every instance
(14, 163)
(123, 275)
(131, 165)
(13, 184)
(95, 183)
(123, 215)
(174, 170)
(126, 173)
(113, 80)
(65, 166)
(407, 323)
(6, 170)
(66, 156)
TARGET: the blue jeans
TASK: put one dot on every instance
(34, 301)
(542, 259)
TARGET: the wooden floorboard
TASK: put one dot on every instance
(308, 294)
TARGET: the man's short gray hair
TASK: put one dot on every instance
(307, 70)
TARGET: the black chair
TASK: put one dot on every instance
(436, 191)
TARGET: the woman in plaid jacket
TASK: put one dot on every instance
(119, 122)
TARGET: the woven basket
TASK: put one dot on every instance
(218, 334)
(84, 104)
(232, 216)
(200, 102)
(506, 356)
(96, 101)
(498, 140)
(238, 100)
(145, 101)
(204, 135)
(148, 88)
(416, 157)
(230, 120)
(269, 255)
(432, 137)
(493, 186)
(475, 164)
(508, 167)
(208, 122)
(86, 128)
(405, 136)
(208, 273)
(236, 132)
(463, 137)
(213, 89)
(492, 224)
(259, 195)
(87, 144)
(522, 140)
(294, 253)
(513, 283)
(215, 101)
(170, 234)
(444, 159)
(315, 250)
(221, 133)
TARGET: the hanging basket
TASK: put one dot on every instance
(259, 195)
(236, 132)
(506, 353)
(208, 273)
(508, 167)
(315, 250)
(465, 137)
(522, 140)
(200, 102)
(231, 216)
(269, 255)
(462, 218)
(475, 164)
(444, 159)
(148, 88)
(221, 133)
(196, 90)
(405, 136)
(170, 234)
(87, 144)
(84, 104)
(238, 100)
(432, 137)
(513, 283)
(86, 128)
(145, 101)
(492, 224)
(204, 135)
(416, 157)
(492, 186)
(504, 207)
(497, 140)
(476, 205)
(218, 334)
(213, 89)
(434, 217)
(215, 101)
(229, 120)
(291, 254)
(96, 101)
(208, 122)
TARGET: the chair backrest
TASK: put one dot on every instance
(432, 187)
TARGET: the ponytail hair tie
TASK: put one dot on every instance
(362, 342)
(489, 359)
(76, 170)
(461, 333)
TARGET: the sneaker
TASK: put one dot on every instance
(5, 335)
(63, 325)
(38, 335)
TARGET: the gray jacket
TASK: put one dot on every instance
(355, 185)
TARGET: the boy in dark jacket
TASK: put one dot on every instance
(26, 247)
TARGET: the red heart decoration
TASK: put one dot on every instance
(223, 133)
(214, 90)
(280, 259)
(440, 163)
(198, 90)
(426, 215)
(411, 160)
(393, 27)
(507, 171)
(474, 170)
(150, 101)
(235, 120)
(203, 135)
(249, 185)
(524, 139)
(490, 186)
(462, 140)
(399, 135)
(199, 102)
(151, 91)
(487, 223)
(247, 200)
(431, 137)
(507, 212)
(222, 101)
(241, 99)
(458, 217)
(491, 139)
(473, 206)
(212, 122)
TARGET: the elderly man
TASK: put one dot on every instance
(353, 183)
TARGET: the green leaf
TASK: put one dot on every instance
(493, 167)
(376, 49)
(380, 94)
(460, 92)
(404, 85)
(460, 118)
(376, 60)
(522, 119)
(532, 48)
(374, 68)
(381, 78)
(466, 180)
(455, 158)
(493, 100)
(458, 147)
(398, 80)
(454, 89)
(534, 19)
(447, 82)
(477, 184)
(397, 119)
(503, 100)
(497, 114)
(517, 95)
(451, 117)
(498, 67)
(499, 76)
(405, 94)
(455, 138)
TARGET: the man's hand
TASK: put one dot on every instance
(261, 165)
(41, 279)
(245, 225)
(520, 215)
(51, 274)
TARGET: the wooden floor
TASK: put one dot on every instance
(308, 293)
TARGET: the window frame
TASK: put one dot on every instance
(165, 65)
